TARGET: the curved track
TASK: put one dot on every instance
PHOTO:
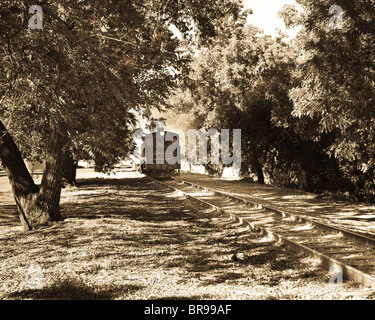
(342, 250)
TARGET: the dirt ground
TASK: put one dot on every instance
(132, 239)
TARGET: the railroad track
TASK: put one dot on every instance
(338, 249)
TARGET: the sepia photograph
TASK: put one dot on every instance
(187, 157)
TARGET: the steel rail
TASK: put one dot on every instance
(349, 272)
(362, 239)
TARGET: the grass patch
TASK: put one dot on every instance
(133, 239)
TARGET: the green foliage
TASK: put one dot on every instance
(92, 67)
(305, 107)
(241, 81)
(253, 82)
(337, 85)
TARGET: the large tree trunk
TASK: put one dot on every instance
(52, 181)
(24, 189)
(37, 206)
(69, 169)
(258, 169)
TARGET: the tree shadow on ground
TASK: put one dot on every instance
(9, 215)
(136, 224)
(69, 290)
(193, 248)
